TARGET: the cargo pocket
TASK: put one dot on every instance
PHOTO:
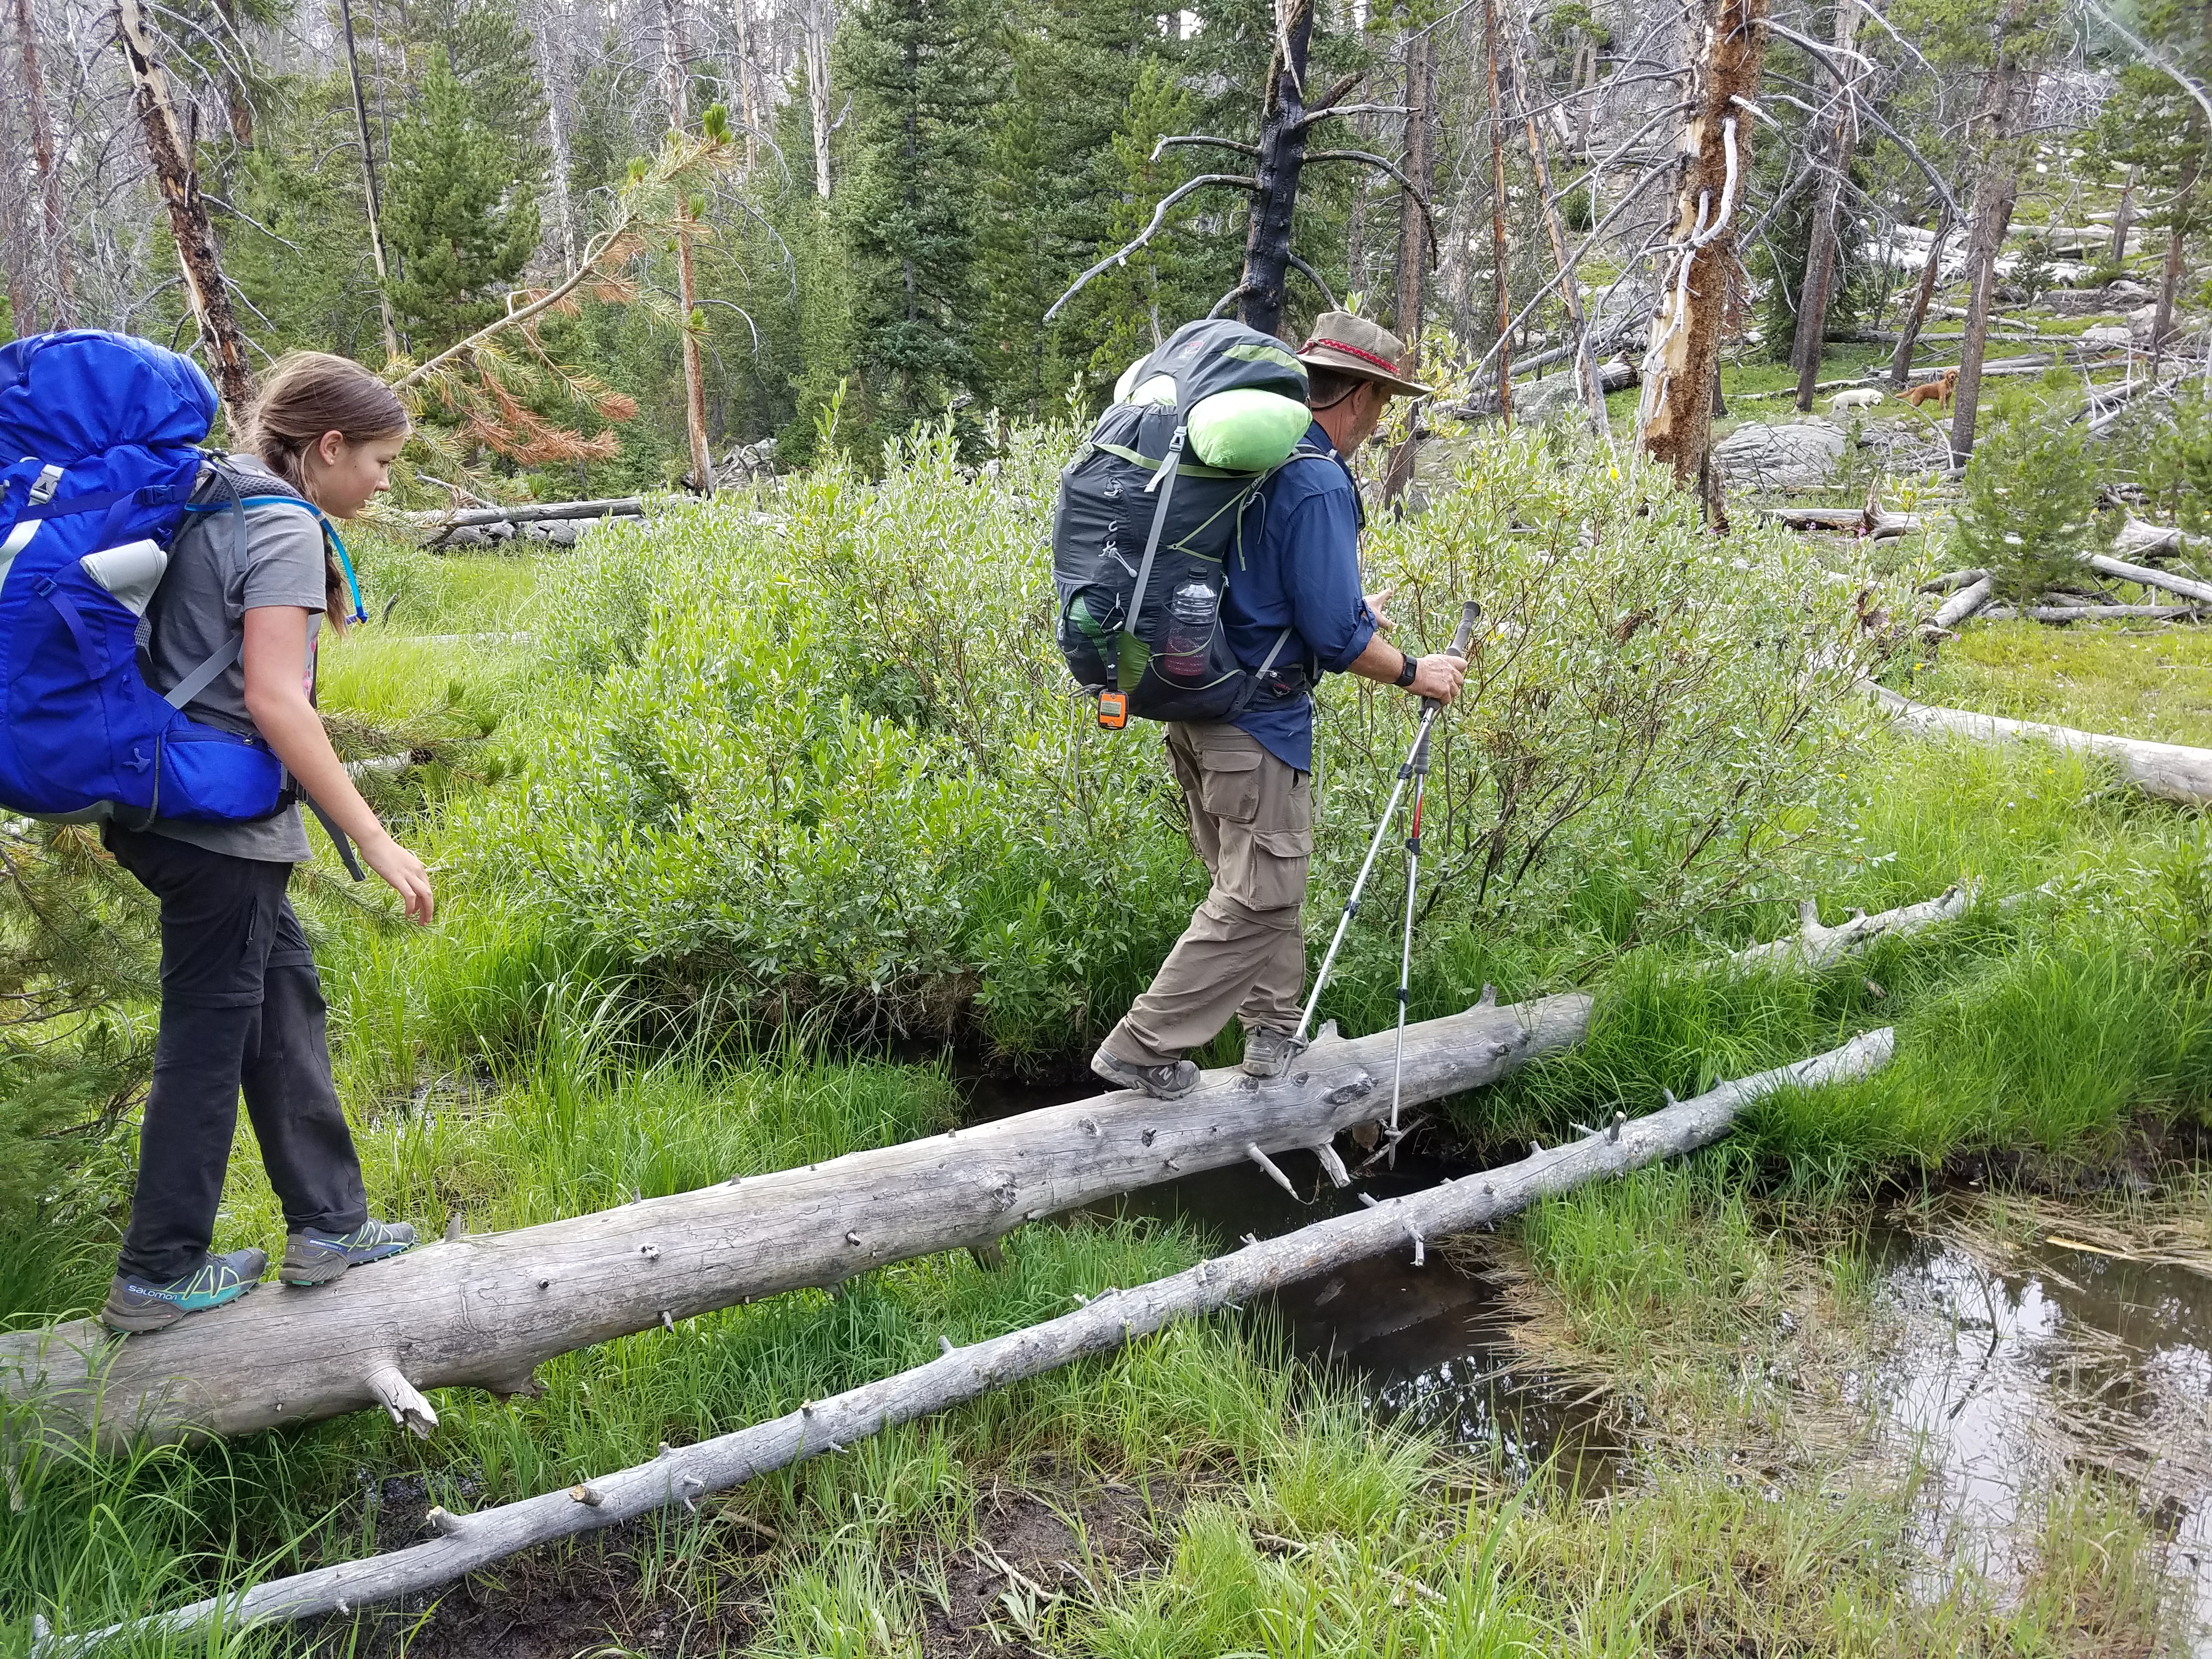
(1230, 783)
(1279, 861)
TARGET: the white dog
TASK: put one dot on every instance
(1865, 397)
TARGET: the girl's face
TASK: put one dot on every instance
(342, 476)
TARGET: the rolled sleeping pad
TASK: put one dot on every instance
(1247, 430)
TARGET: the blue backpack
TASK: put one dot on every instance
(101, 435)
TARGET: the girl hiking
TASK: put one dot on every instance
(250, 580)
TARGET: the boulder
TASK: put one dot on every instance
(2107, 334)
(1801, 455)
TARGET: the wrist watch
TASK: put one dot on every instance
(1412, 667)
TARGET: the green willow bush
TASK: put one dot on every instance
(825, 763)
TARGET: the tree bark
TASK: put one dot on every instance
(1908, 333)
(677, 74)
(368, 183)
(169, 150)
(2170, 771)
(1821, 251)
(1497, 247)
(1413, 227)
(818, 91)
(551, 38)
(745, 80)
(1108, 1322)
(1674, 422)
(1996, 187)
(48, 170)
(1282, 158)
(2169, 276)
(2124, 218)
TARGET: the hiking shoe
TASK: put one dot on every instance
(1268, 1053)
(312, 1256)
(1169, 1082)
(134, 1305)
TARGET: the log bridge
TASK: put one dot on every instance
(485, 1310)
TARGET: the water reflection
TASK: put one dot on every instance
(2009, 1378)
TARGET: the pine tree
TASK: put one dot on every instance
(460, 214)
(923, 77)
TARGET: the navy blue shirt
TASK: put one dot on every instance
(1296, 566)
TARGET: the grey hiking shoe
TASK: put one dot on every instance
(312, 1256)
(1268, 1053)
(1169, 1082)
(137, 1304)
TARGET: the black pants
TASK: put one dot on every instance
(241, 1007)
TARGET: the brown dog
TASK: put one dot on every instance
(1934, 392)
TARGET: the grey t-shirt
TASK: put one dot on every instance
(201, 606)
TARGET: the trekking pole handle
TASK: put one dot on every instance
(1469, 614)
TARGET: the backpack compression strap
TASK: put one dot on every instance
(1163, 481)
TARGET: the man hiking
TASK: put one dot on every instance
(1247, 782)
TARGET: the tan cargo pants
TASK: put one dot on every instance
(1244, 953)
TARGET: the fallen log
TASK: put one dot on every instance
(2143, 576)
(1963, 604)
(485, 1310)
(1108, 1322)
(2063, 614)
(2170, 771)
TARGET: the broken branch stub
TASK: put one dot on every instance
(1100, 1325)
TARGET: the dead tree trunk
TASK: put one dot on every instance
(2124, 218)
(550, 38)
(1674, 422)
(1996, 187)
(1497, 248)
(2170, 771)
(818, 92)
(746, 106)
(1908, 333)
(467, 1543)
(368, 183)
(677, 73)
(2169, 278)
(1821, 251)
(170, 152)
(1283, 129)
(1413, 228)
(48, 169)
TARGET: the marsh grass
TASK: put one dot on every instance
(2153, 681)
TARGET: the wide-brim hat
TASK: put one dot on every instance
(1344, 343)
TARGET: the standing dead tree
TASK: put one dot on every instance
(1279, 159)
(168, 145)
(1674, 422)
(676, 72)
(1822, 251)
(2006, 93)
(43, 159)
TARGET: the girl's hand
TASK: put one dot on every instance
(404, 871)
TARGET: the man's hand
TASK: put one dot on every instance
(1375, 601)
(1439, 676)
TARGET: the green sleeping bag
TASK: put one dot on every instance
(1247, 430)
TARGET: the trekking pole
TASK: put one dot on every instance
(1418, 755)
